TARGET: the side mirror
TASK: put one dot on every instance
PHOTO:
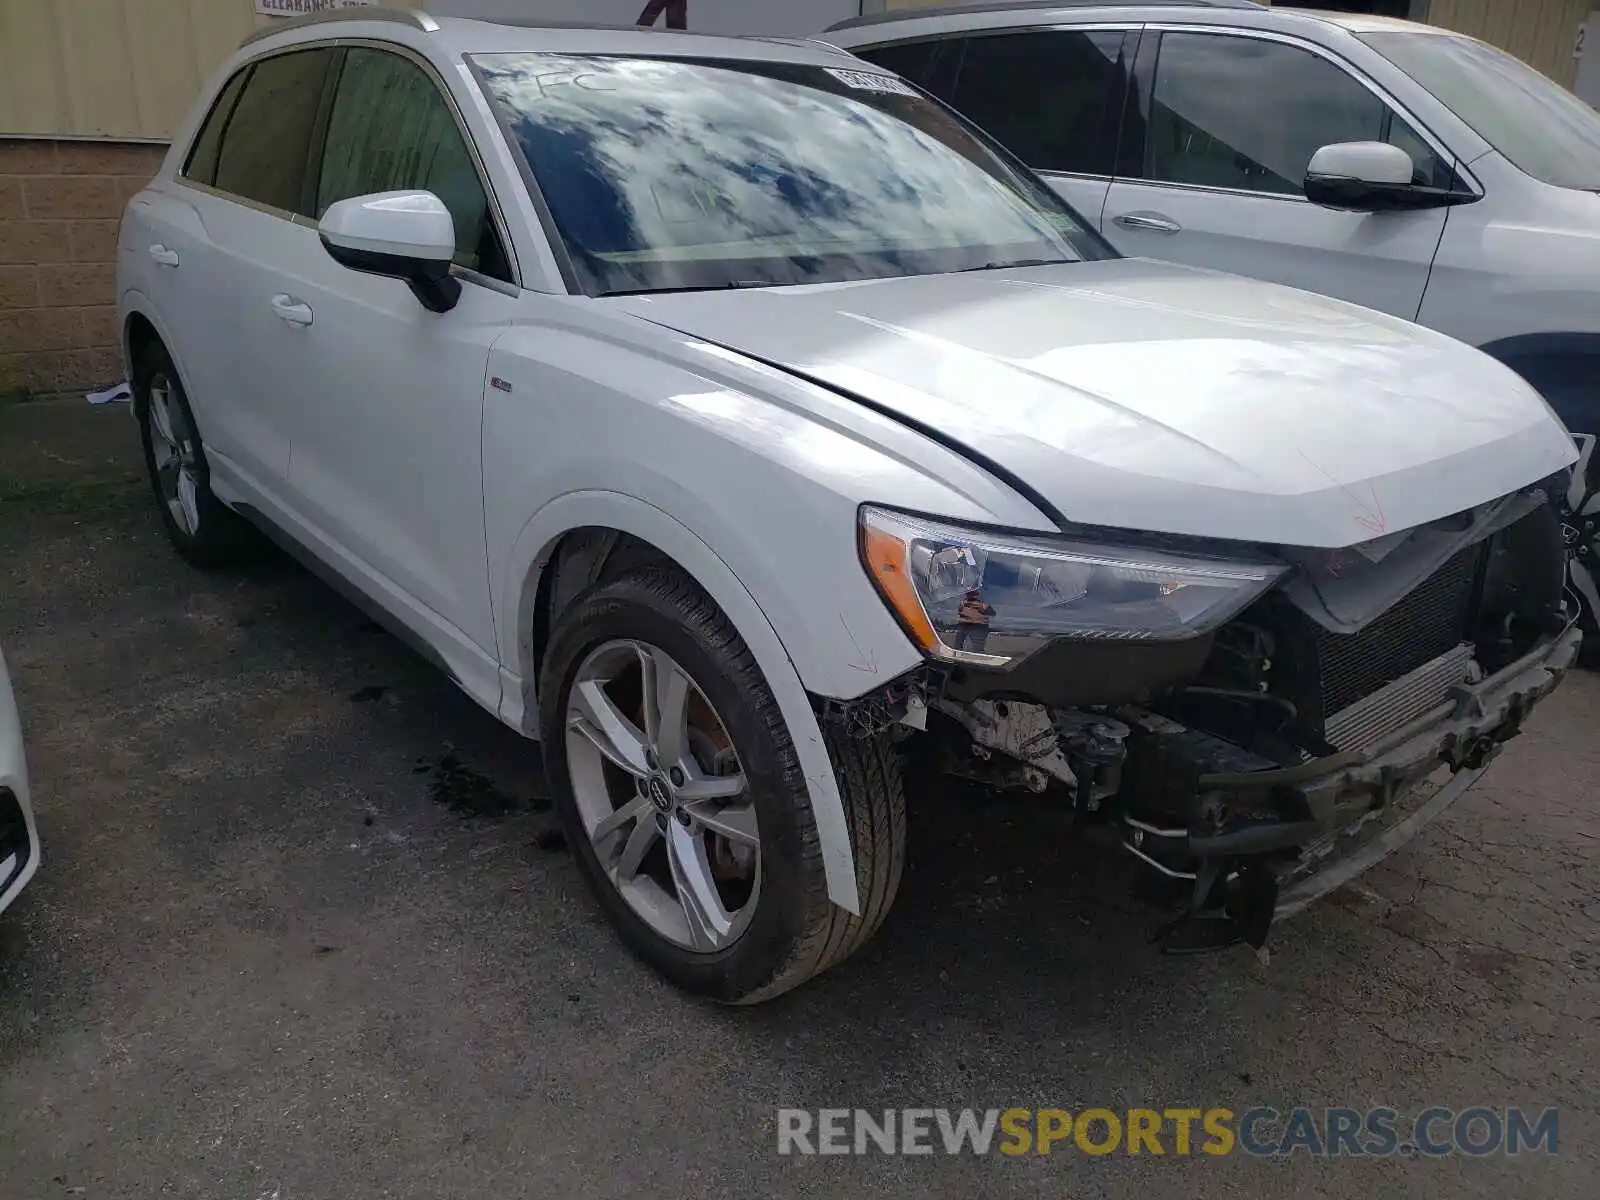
(1372, 177)
(408, 236)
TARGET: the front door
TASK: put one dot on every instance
(387, 460)
(1213, 168)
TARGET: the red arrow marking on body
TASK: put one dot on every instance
(1371, 516)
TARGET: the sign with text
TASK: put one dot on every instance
(299, 8)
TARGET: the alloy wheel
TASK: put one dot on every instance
(662, 795)
(174, 455)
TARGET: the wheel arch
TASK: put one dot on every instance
(1564, 368)
(142, 327)
(139, 332)
(580, 537)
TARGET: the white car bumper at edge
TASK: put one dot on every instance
(19, 837)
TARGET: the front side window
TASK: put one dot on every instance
(677, 173)
(265, 147)
(1543, 129)
(1245, 113)
(1051, 98)
(392, 130)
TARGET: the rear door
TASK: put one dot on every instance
(1050, 96)
(219, 235)
(1217, 138)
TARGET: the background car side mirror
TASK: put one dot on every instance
(405, 235)
(1372, 177)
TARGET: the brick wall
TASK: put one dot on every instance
(60, 203)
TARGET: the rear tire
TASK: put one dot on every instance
(792, 931)
(203, 530)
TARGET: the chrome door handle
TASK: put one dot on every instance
(1153, 222)
(295, 312)
(164, 255)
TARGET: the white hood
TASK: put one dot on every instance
(1148, 396)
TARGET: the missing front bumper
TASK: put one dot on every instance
(1266, 844)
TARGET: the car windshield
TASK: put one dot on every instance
(676, 174)
(1542, 128)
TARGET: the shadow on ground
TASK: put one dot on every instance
(294, 937)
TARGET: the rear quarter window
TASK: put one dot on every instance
(201, 165)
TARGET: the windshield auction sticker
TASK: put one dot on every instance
(871, 81)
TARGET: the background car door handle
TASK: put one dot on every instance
(1153, 222)
(164, 255)
(291, 310)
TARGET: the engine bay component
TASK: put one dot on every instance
(1095, 746)
(903, 701)
(1296, 733)
(1019, 730)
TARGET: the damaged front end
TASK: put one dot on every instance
(1254, 763)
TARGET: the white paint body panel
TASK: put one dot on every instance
(1148, 396)
(433, 461)
(409, 224)
(1378, 260)
(1524, 260)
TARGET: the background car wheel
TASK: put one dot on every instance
(1580, 531)
(204, 530)
(685, 805)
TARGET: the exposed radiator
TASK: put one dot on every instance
(1406, 699)
(1433, 620)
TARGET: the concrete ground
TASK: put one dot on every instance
(293, 938)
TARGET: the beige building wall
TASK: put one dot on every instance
(114, 68)
(1541, 32)
(60, 202)
(90, 90)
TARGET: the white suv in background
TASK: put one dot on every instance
(733, 418)
(19, 839)
(1399, 166)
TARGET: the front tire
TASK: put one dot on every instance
(684, 802)
(202, 529)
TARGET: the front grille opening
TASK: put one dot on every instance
(1432, 620)
(1273, 653)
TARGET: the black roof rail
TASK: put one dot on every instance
(941, 10)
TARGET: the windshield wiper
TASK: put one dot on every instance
(703, 287)
(1021, 262)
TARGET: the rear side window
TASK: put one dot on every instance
(1051, 98)
(201, 165)
(1248, 114)
(266, 144)
(914, 60)
(391, 129)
